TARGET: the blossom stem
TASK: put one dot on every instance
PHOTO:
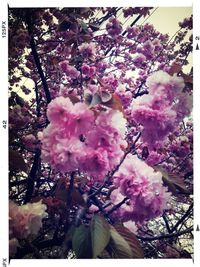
(117, 205)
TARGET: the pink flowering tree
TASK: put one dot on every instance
(100, 135)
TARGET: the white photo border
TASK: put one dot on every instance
(4, 132)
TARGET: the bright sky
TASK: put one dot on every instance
(165, 19)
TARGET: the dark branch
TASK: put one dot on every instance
(32, 176)
(133, 23)
(153, 238)
(37, 100)
(36, 58)
(117, 205)
(182, 218)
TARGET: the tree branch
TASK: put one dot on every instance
(32, 176)
(37, 100)
(117, 205)
(182, 218)
(36, 57)
(153, 238)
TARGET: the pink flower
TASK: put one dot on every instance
(69, 70)
(183, 106)
(99, 137)
(26, 220)
(64, 65)
(161, 110)
(114, 119)
(96, 163)
(133, 32)
(157, 123)
(88, 71)
(76, 139)
(148, 46)
(65, 156)
(139, 60)
(110, 81)
(144, 188)
(162, 81)
(87, 50)
(83, 119)
(59, 110)
(154, 158)
(113, 27)
(29, 140)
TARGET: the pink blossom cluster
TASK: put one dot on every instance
(136, 10)
(180, 151)
(110, 82)
(24, 221)
(69, 70)
(29, 141)
(88, 71)
(139, 60)
(147, 197)
(87, 50)
(125, 95)
(154, 158)
(130, 11)
(132, 32)
(113, 27)
(181, 146)
(19, 116)
(187, 23)
(77, 139)
(162, 109)
(20, 38)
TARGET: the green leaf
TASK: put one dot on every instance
(84, 26)
(100, 234)
(70, 232)
(16, 161)
(118, 247)
(172, 181)
(104, 255)
(81, 242)
(132, 240)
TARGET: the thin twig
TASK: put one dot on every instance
(186, 231)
